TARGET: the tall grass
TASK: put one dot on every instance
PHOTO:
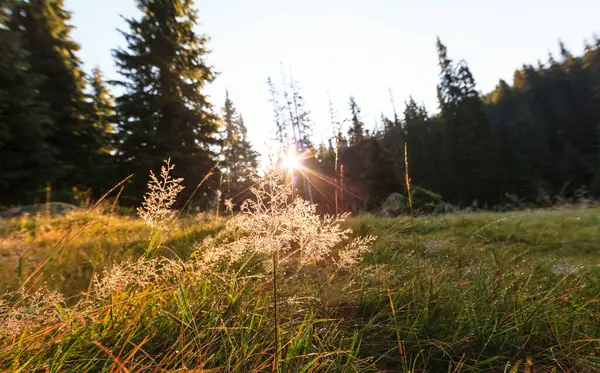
(488, 292)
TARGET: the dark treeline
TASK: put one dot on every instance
(534, 142)
(64, 128)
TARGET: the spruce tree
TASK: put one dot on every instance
(239, 160)
(379, 175)
(45, 31)
(163, 111)
(477, 163)
(102, 116)
(417, 133)
(357, 129)
(102, 110)
(26, 159)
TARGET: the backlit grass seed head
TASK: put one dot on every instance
(156, 209)
(228, 205)
(139, 274)
(26, 310)
(271, 223)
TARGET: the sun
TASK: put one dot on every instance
(290, 161)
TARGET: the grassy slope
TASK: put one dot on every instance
(477, 291)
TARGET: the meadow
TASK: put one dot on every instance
(101, 291)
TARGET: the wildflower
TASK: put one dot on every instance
(156, 209)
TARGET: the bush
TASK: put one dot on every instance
(426, 201)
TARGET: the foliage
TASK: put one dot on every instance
(426, 201)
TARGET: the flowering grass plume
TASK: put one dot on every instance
(228, 206)
(137, 275)
(20, 310)
(271, 222)
(156, 209)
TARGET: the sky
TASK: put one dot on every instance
(338, 48)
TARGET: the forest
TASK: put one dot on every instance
(531, 141)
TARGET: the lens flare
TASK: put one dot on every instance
(290, 161)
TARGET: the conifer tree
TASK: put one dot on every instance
(163, 111)
(239, 161)
(523, 138)
(26, 159)
(477, 163)
(102, 116)
(416, 131)
(45, 31)
(379, 175)
(357, 129)
(102, 111)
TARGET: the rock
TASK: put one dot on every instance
(396, 204)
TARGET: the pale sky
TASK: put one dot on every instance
(352, 47)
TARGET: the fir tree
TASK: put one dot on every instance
(239, 160)
(102, 116)
(43, 26)
(163, 112)
(103, 111)
(417, 133)
(26, 159)
(379, 176)
(477, 163)
(357, 129)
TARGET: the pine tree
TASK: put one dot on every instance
(578, 86)
(239, 161)
(102, 116)
(573, 169)
(476, 161)
(357, 129)
(43, 26)
(523, 138)
(417, 133)
(163, 111)
(26, 158)
(103, 111)
(379, 175)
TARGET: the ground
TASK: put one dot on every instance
(457, 292)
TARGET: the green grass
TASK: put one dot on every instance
(491, 292)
